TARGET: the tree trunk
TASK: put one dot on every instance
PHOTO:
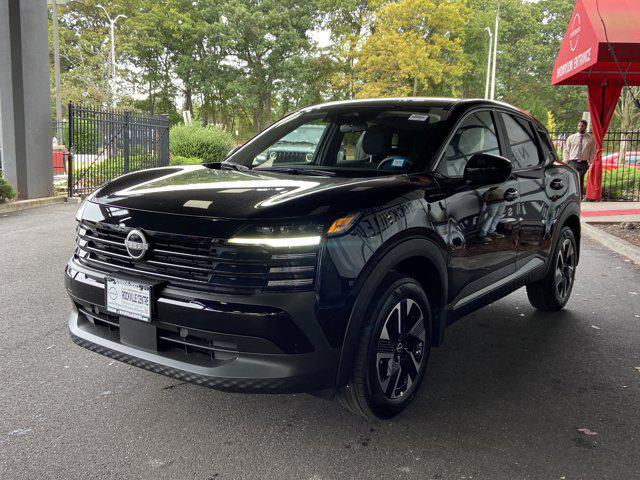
(258, 115)
(188, 100)
(267, 109)
(204, 111)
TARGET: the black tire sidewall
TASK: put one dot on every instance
(565, 234)
(400, 289)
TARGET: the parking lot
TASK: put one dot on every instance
(503, 399)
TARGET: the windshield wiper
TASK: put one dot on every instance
(225, 166)
(297, 171)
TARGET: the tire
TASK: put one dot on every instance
(392, 355)
(553, 291)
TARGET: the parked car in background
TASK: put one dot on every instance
(612, 160)
(334, 272)
(298, 146)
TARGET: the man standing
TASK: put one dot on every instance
(579, 150)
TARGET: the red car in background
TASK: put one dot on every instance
(611, 161)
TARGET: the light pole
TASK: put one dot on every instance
(112, 25)
(488, 81)
(495, 52)
(56, 67)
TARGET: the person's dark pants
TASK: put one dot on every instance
(582, 168)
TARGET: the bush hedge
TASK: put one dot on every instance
(210, 144)
(178, 160)
(6, 191)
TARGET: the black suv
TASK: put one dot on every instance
(333, 275)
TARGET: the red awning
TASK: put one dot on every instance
(585, 58)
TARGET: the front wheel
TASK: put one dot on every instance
(393, 351)
(553, 291)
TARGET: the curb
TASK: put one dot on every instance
(616, 244)
(33, 203)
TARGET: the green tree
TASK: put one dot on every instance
(416, 47)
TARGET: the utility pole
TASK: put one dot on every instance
(495, 53)
(56, 68)
(488, 80)
(112, 26)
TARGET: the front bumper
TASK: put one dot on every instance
(230, 357)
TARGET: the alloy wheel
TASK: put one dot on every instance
(565, 269)
(400, 349)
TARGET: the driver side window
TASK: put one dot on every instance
(476, 134)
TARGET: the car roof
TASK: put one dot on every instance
(391, 102)
(445, 103)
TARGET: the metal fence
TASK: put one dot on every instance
(106, 143)
(620, 164)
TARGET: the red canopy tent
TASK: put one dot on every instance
(586, 57)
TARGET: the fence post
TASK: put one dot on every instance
(70, 154)
(126, 141)
(164, 142)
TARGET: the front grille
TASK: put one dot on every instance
(191, 346)
(202, 263)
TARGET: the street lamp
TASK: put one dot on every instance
(56, 66)
(495, 52)
(112, 24)
(488, 80)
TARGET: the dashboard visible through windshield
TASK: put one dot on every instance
(381, 141)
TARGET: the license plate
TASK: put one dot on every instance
(129, 298)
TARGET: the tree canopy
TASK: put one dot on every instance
(241, 64)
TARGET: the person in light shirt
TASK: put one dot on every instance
(579, 150)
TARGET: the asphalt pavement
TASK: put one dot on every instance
(503, 398)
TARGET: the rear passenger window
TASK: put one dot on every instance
(524, 148)
(476, 134)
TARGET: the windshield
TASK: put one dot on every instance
(377, 141)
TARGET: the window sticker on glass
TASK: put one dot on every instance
(398, 162)
(419, 117)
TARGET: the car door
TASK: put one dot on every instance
(482, 220)
(537, 208)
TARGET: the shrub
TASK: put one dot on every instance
(178, 160)
(620, 184)
(6, 191)
(210, 144)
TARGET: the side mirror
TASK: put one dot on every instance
(487, 169)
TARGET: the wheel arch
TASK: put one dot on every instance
(569, 217)
(415, 255)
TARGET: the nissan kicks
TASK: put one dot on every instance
(336, 272)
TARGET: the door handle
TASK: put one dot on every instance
(557, 184)
(511, 194)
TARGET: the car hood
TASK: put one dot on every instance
(200, 191)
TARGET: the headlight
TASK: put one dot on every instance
(292, 236)
(342, 225)
(279, 236)
(278, 242)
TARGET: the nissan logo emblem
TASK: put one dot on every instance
(136, 244)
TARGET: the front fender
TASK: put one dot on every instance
(385, 260)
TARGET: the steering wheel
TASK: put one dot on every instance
(405, 162)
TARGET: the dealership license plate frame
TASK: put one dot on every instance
(115, 285)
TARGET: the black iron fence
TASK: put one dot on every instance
(620, 164)
(106, 143)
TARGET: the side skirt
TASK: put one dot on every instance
(531, 271)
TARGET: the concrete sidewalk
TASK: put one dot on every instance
(608, 212)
